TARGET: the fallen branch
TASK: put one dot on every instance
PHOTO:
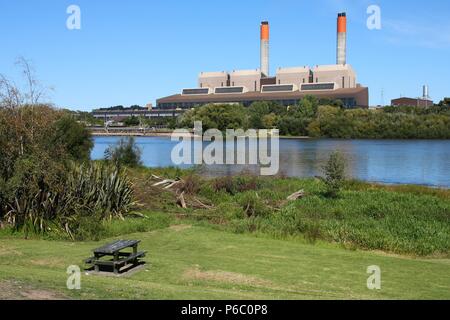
(205, 206)
(164, 182)
(297, 195)
(172, 184)
(181, 202)
(156, 177)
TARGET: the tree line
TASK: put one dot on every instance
(327, 119)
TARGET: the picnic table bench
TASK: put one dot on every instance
(119, 257)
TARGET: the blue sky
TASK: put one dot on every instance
(133, 52)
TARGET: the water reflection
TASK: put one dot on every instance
(425, 162)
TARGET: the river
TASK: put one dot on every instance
(421, 162)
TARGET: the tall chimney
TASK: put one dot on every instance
(426, 94)
(342, 38)
(265, 48)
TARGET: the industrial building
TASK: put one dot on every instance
(288, 86)
(424, 101)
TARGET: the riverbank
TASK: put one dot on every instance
(131, 132)
(409, 220)
(137, 132)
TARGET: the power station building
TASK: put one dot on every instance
(287, 87)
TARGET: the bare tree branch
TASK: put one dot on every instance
(35, 89)
(10, 95)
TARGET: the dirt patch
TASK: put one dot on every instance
(180, 227)
(41, 295)
(224, 276)
(12, 290)
(8, 251)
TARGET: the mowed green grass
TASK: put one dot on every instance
(199, 262)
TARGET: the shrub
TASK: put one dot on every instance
(236, 185)
(334, 172)
(87, 192)
(191, 184)
(124, 153)
(87, 226)
(224, 184)
(253, 206)
(247, 183)
(312, 232)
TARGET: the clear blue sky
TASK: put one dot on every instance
(133, 52)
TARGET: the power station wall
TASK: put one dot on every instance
(251, 79)
(296, 76)
(213, 79)
(343, 75)
(351, 98)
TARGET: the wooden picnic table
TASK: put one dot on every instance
(119, 257)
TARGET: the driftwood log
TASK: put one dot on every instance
(296, 195)
(181, 202)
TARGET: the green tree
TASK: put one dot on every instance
(212, 116)
(131, 121)
(308, 107)
(257, 111)
(74, 137)
(124, 153)
(334, 171)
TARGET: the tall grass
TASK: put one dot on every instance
(405, 220)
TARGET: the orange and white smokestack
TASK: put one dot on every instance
(342, 38)
(265, 48)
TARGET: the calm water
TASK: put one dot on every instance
(424, 162)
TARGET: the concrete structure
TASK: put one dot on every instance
(412, 102)
(251, 79)
(213, 79)
(352, 98)
(343, 75)
(341, 50)
(295, 75)
(264, 59)
(426, 93)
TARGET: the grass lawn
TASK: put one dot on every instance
(200, 262)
